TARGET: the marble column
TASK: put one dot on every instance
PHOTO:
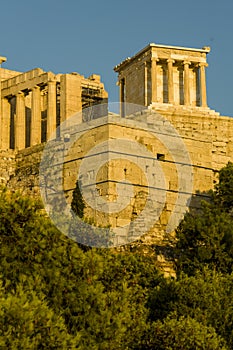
(170, 80)
(2, 59)
(186, 83)
(5, 124)
(51, 109)
(36, 116)
(154, 97)
(146, 83)
(2, 131)
(122, 97)
(20, 122)
(203, 84)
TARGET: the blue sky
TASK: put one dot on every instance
(94, 36)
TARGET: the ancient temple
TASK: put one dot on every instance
(35, 103)
(161, 75)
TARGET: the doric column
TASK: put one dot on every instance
(154, 79)
(203, 84)
(20, 124)
(170, 80)
(5, 124)
(2, 59)
(2, 131)
(146, 83)
(122, 97)
(122, 90)
(52, 109)
(36, 117)
(186, 83)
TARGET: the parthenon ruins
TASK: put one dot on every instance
(36, 102)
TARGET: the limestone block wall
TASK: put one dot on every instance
(208, 140)
(200, 135)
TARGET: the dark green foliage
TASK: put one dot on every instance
(198, 305)
(97, 296)
(55, 295)
(184, 333)
(205, 237)
(224, 189)
(26, 322)
(206, 297)
(78, 204)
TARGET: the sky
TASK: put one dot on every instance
(94, 36)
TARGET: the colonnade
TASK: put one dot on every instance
(151, 76)
(186, 80)
(19, 117)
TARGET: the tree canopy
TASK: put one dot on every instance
(56, 295)
(205, 236)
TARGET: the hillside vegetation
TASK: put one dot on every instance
(57, 295)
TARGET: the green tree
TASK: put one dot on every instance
(224, 189)
(183, 333)
(205, 236)
(98, 297)
(206, 297)
(26, 322)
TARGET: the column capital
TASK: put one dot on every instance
(36, 87)
(20, 93)
(52, 82)
(202, 64)
(170, 60)
(2, 59)
(186, 62)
